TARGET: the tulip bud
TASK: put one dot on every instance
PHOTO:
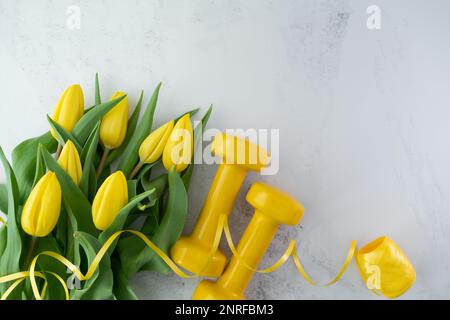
(41, 210)
(69, 160)
(179, 147)
(114, 124)
(70, 108)
(152, 147)
(109, 200)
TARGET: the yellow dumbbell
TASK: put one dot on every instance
(238, 156)
(272, 208)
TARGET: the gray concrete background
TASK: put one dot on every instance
(363, 114)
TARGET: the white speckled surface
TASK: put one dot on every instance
(363, 115)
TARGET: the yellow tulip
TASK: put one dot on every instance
(69, 160)
(114, 124)
(109, 200)
(70, 108)
(179, 147)
(152, 147)
(41, 210)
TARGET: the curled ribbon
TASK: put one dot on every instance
(291, 251)
(32, 273)
(381, 255)
(19, 277)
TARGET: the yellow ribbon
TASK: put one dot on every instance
(291, 251)
(385, 268)
(19, 277)
(374, 254)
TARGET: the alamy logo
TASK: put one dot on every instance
(374, 18)
(373, 281)
(266, 139)
(73, 21)
(72, 281)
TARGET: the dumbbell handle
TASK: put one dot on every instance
(220, 200)
(251, 248)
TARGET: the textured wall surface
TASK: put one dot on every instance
(363, 114)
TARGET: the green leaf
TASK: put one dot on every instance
(122, 288)
(89, 108)
(130, 154)
(103, 176)
(152, 221)
(198, 133)
(3, 239)
(206, 117)
(87, 156)
(93, 183)
(132, 188)
(24, 161)
(98, 100)
(171, 226)
(94, 135)
(132, 123)
(3, 198)
(85, 125)
(146, 171)
(73, 245)
(10, 262)
(191, 114)
(54, 289)
(121, 218)
(63, 134)
(72, 196)
(134, 254)
(61, 230)
(159, 184)
(12, 189)
(100, 285)
(40, 168)
(144, 175)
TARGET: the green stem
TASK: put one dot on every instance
(136, 169)
(102, 163)
(31, 250)
(58, 151)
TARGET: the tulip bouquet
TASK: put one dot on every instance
(70, 191)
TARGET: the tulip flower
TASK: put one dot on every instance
(114, 124)
(113, 128)
(70, 108)
(179, 147)
(152, 147)
(111, 197)
(69, 160)
(41, 210)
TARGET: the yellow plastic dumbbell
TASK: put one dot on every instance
(238, 156)
(272, 208)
